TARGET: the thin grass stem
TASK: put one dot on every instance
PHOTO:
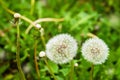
(32, 7)
(72, 70)
(91, 72)
(18, 52)
(50, 70)
(35, 61)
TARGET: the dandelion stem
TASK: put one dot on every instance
(72, 70)
(29, 20)
(12, 12)
(50, 70)
(32, 6)
(43, 20)
(35, 61)
(91, 35)
(4, 7)
(18, 51)
(45, 59)
(43, 40)
(91, 72)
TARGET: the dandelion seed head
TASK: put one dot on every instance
(95, 50)
(61, 48)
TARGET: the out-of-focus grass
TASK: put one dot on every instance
(80, 17)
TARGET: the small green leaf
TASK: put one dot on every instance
(3, 68)
(54, 66)
(9, 77)
(65, 71)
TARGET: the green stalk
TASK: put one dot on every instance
(43, 40)
(72, 70)
(32, 6)
(91, 72)
(35, 61)
(4, 7)
(12, 12)
(18, 51)
(45, 59)
(50, 70)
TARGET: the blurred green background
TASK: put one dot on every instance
(100, 17)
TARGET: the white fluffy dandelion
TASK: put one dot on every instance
(61, 48)
(95, 51)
